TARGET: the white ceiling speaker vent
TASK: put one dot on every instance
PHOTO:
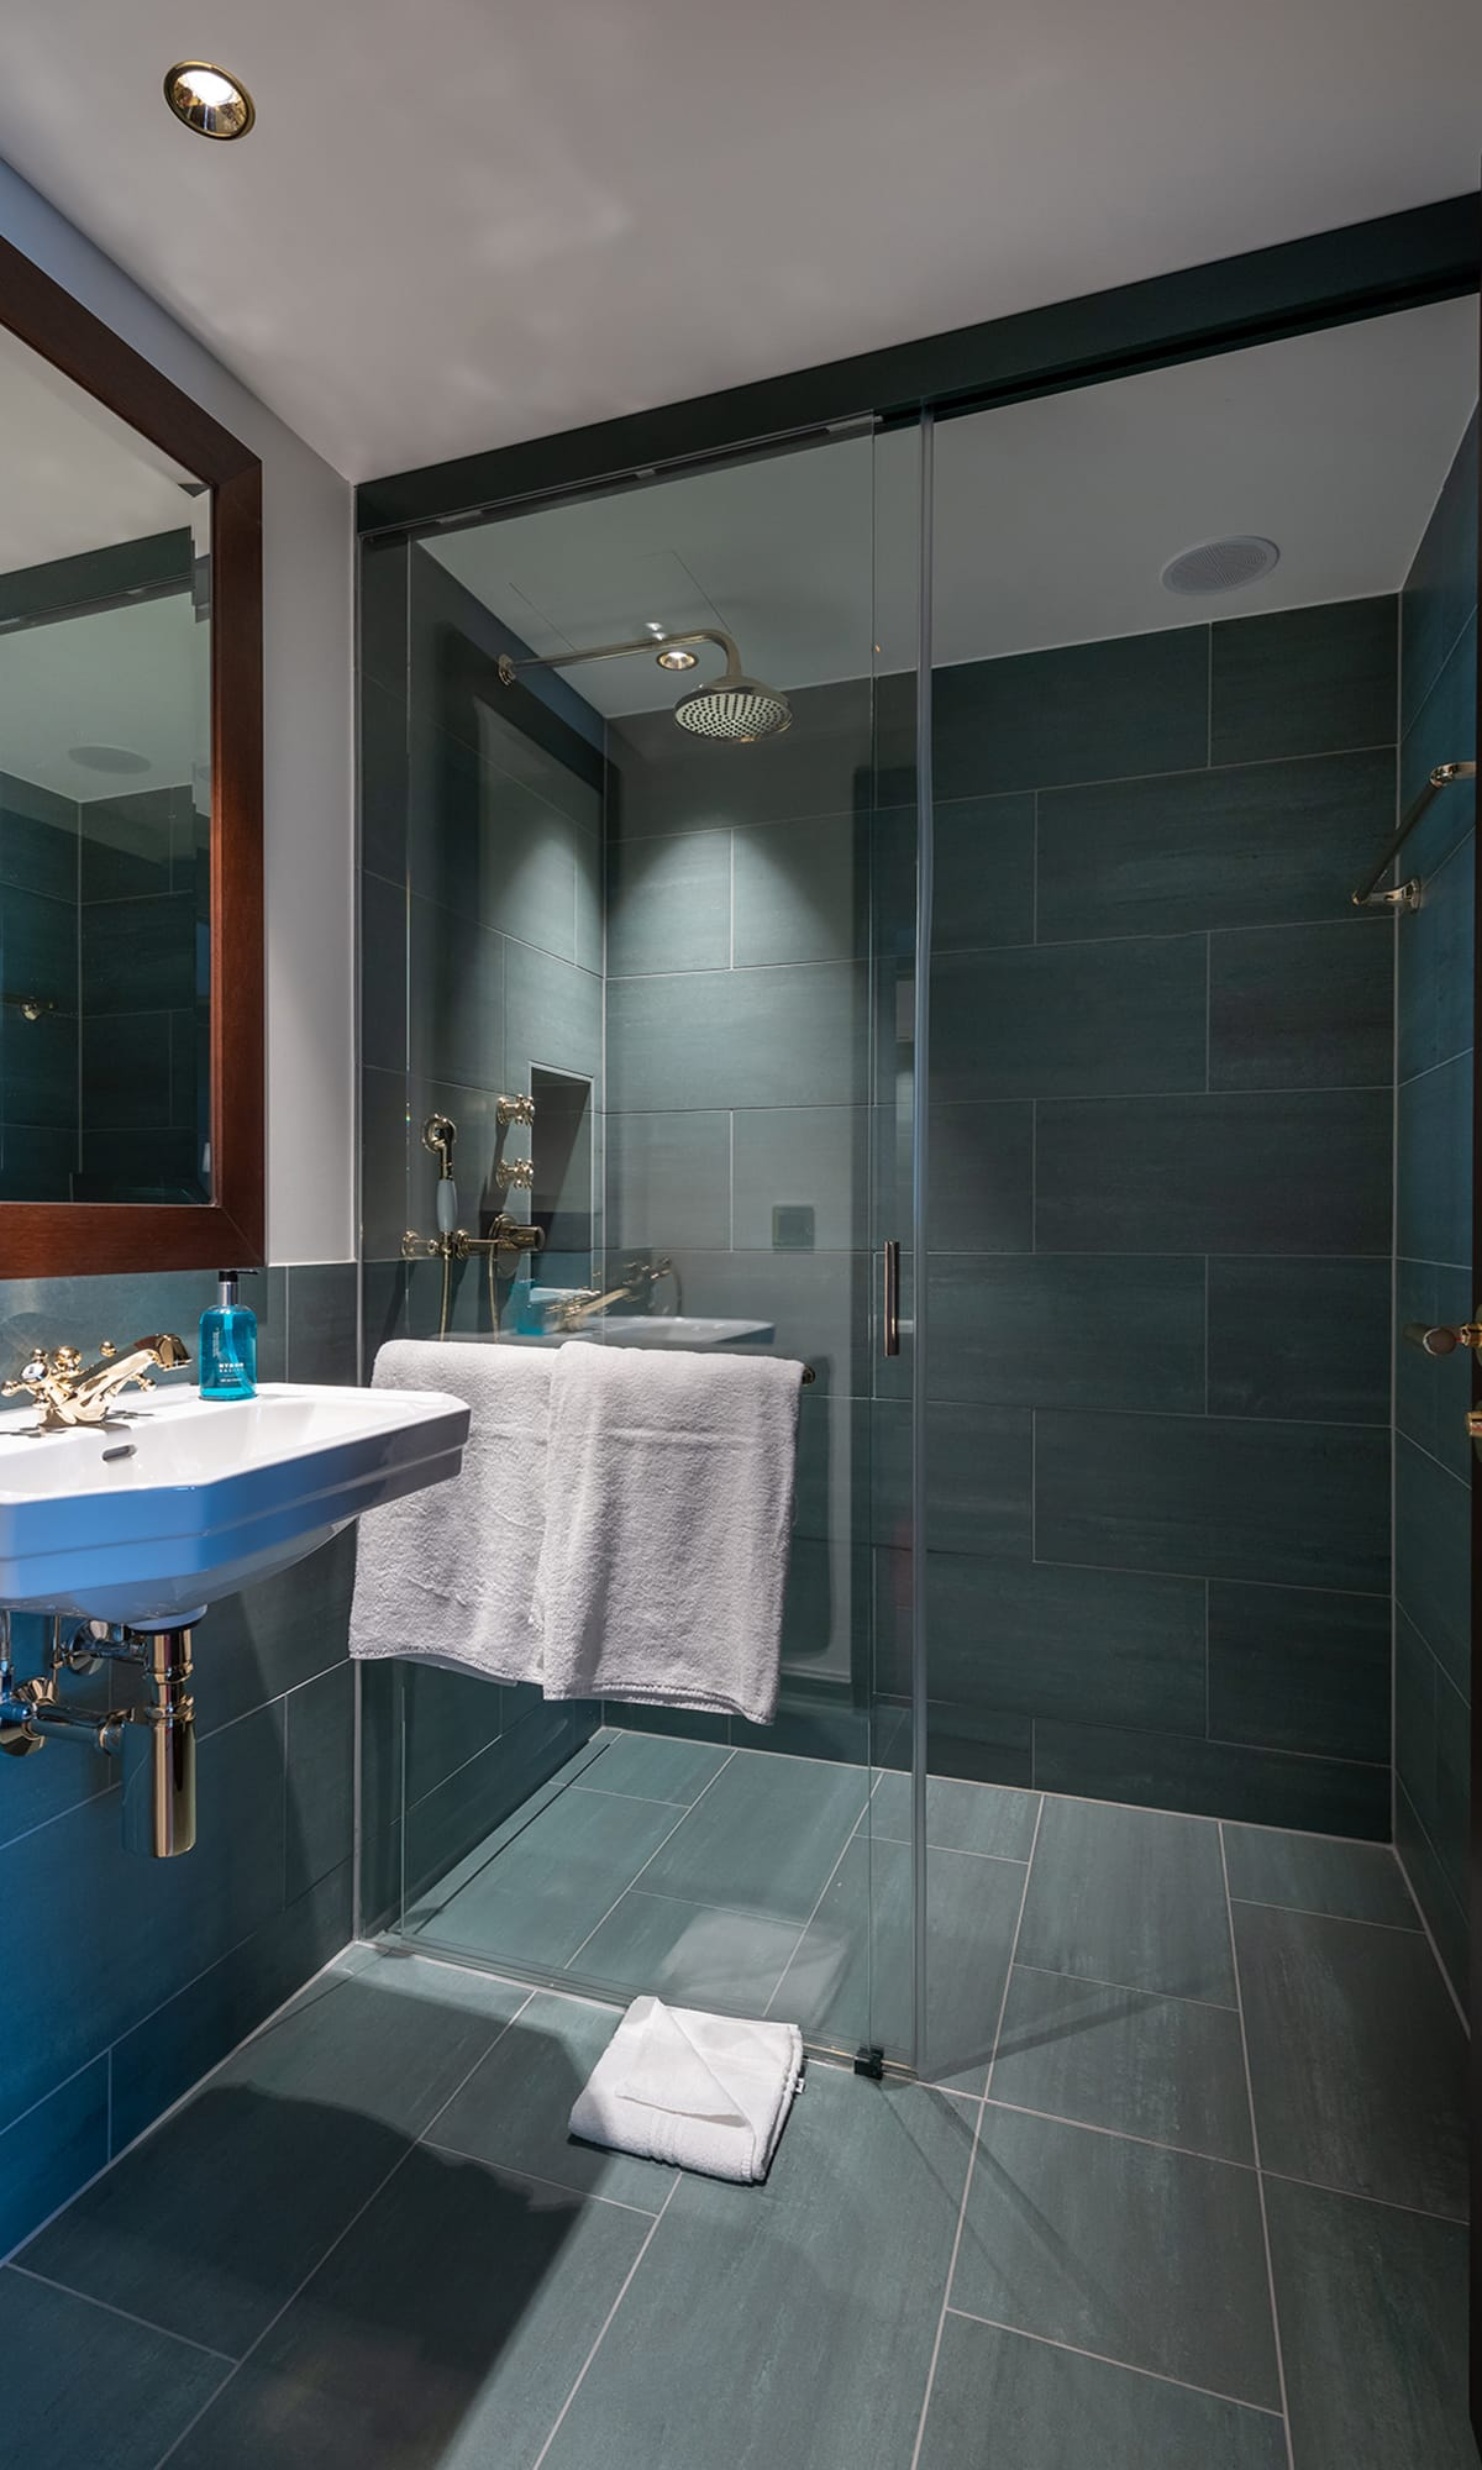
(1221, 565)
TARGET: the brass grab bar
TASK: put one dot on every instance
(1407, 895)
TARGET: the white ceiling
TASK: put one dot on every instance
(1054, 519)
(135, 678)
(456, 226)
(73, 476)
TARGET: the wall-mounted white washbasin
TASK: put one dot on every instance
(178, 1500)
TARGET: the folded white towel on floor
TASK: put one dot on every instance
(670, 1482)
(447, 1576)
(703, 2092)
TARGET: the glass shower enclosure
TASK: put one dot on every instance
(641, 972)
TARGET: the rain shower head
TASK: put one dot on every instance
(734, 709)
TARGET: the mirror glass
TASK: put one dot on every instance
(105, 802)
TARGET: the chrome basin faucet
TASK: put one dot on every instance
(69, 1395)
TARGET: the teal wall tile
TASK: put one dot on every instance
(319, 1756)
(979, 1477)
(754, 1037)
(1304, 681)
(1296, 1668)
(1093, 1646)
(811, 1157)
(456, 1005)
(1434, 974)
(1433, 1555)
(1068, 1329)
(983, 865)
(383, 778)
(1304, 1171)
(1293, 1504)
(125, 1067)
(127, 947)
(1302, 1007)
(1070, 1021)
(1443, 729)
(669, 904)
(383, 973)
(669, 782)
(981, 1167)
(1448, 1920)
(39, 847)
(51, 2152)
(1169, 1771)
(323, 1321)
(553, 1016)
(1433, 1164)
(1252, 845)
(1096, 711)
(669, 1179)
(800, 892)
(385, 1199)
(1271, 1327)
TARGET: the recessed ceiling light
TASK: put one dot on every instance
(675, 657)
(1221, 565)
(209, 101)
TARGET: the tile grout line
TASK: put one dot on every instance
(338, 2241)
(823, 1891)
(652, 1858)
(972, 2157)
(1119, 2135)
(1132, 1989)
(537, 2178)
(1104, 2358)
(144, 2323)
(1255, 2140)
(606, 2326)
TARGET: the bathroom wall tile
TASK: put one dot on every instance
(1133, 1897)
(669, 1179)
(889, 2163)
(818, 1304)
(128, 845)
(801, 891)
(1415, 1685)
(1453, 1785)
(1294, 1668)
(1304, 681)
(133, 1166)
(672, 1723)
(1124, 2250)
(976, 1745)
(38, 1164)
(41, 1080)
(1357, 2058)
(527, 853)
(1091, 711)
(1292, 1504)
(1170, 2069)
(810, 1156)
(1305, 1172)
(1434, 1164)
(51, 2152)
(1441, 587)
(319, 1727)
(981, 1168)
(1272, 1325)
(383, 611)
(39, 847)
(1443, 729)
(274, 1636)
(168, 2053)
(1171, 1771)
(383, 973)
(42, 954)
(1311, 1873)
(1068, 1329)
(553, 1016)
(456, 1014)
(1435, 966)
(135, 954)
(125, 1072)
(668, 782)
(1432, 1556)
(252, 2182)
(141, 2389)
(383, 777)
(820, 1715)
(1048, 2406)
(1448, 1921)
(979, 1472)
(446, 1718)
(754, 1037)
(323, 1322)
(1302, 1007)
(1262, 844)
(591, 919)
(669, 904)
(1373, 2304)
(984, 873)
(1070, 1021)
(763, 1839)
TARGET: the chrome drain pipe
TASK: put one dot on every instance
(155, 1738)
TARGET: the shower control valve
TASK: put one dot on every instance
(515, 1174)
(514, 1111)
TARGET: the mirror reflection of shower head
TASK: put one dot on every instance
(733, 709)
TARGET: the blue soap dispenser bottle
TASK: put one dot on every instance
(228, 1344)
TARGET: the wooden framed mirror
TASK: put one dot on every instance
(131, 896)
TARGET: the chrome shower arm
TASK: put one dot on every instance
(509, 669)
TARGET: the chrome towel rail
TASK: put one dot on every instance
(1407, 895)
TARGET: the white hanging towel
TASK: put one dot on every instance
(703, 2092)
(447, 1576)
(670, 1485)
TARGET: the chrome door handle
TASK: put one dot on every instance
(890, 1299)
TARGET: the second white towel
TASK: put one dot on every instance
(703, 2092)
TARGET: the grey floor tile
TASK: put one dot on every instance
(1357, 2058)
(1317, 1874)
(1150, 2257)
(513, 2111)
(792, 2321)
(220, 2214)
(1131, 1896)
(85, 2386)
(764, 1837)
(969, 1818)
(999, 2396)
(1372, 2304)
(850, 1981)
(652, 1768)
(550, 1885)
(443, 2333)
(694, 1955)
(1171, 2069)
